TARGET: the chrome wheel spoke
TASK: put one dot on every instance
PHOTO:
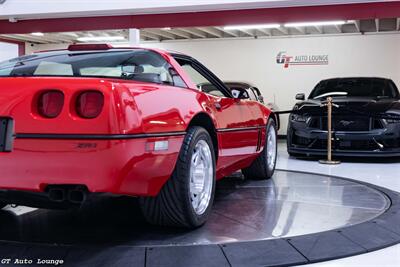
(201, 177)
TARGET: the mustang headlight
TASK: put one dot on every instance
(395, 115)
(299, 118)
(391, 121)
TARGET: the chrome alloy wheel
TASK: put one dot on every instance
(201, 177)
(271, 148)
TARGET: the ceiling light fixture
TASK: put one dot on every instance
(316, 23)
(37, 33)
(101, 38)
(252, 27)
(167, 28)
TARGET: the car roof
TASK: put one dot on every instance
(238, 84)
(109, 49)
(356, 78)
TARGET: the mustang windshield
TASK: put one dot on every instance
(355, 87)
(139, 64)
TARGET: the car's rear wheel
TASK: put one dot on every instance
(263, 167)
(186, 199)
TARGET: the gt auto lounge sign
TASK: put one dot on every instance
(301, 60)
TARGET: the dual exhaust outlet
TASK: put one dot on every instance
(75, 195)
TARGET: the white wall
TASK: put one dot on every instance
(8, 51)
(254, 61)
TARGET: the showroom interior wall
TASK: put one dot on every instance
(255, 61)
(8, 50)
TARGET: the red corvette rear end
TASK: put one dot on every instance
(92, 120)
(83, 144)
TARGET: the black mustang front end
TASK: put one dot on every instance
(365, 119)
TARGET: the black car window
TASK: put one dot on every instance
(202, 81)
(139, 64)
(355, 87)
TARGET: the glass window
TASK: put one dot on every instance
(141, 65)
(204, 84)
(356, 87)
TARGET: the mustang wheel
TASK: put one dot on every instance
(263, 167)
(186, 199)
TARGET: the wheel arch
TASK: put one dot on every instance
(276, 119)
(204, 120)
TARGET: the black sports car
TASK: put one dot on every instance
(365, 120)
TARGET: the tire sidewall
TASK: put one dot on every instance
(195, 219)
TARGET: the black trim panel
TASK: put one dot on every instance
(6, 134)
(96, 136)
(223, 130)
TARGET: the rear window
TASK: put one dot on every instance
(356, 87)
(140, 65)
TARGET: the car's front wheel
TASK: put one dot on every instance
(263, 167)
(187, 197)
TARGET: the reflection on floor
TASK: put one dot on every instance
(243, 211)
(382, 172)
(286, 206)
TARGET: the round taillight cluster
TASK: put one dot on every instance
(88, 104)
(50, 103)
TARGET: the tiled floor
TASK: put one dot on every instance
(382, 172)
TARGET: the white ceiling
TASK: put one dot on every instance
(23, 9)
(162, 34)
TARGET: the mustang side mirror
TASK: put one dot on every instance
(300, 97)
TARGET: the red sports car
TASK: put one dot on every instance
(93, 120)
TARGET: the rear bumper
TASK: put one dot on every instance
(117, 165)
(375, 143)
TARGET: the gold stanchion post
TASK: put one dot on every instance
(329, 104)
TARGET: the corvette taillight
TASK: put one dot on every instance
(50, 103)
(89, 104)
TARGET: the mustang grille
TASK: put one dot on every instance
(346, 123)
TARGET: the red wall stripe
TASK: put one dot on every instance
(211, 18)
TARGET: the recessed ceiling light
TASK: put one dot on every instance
(252, 27)
(100, 38)
(37, 33)
(167, 28)
(315, 23)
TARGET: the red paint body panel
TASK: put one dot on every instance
(121, 166)
(112, 166)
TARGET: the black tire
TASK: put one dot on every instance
(172, 206)
(260, 168)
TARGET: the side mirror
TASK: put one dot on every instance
(301, 97)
